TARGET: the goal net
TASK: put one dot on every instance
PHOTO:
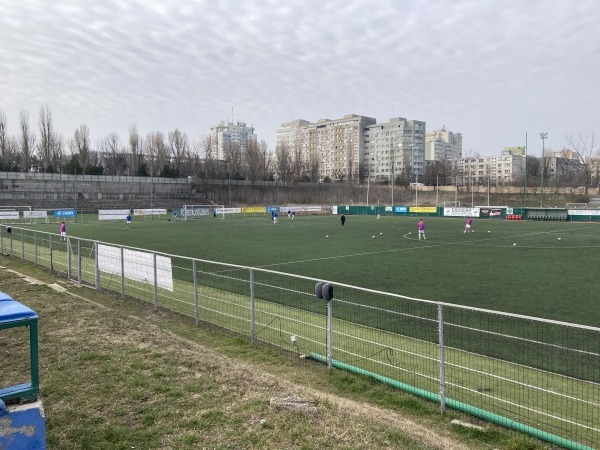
(192, 212)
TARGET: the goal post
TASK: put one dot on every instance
(193, 212)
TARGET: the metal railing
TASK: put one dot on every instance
(540, 377)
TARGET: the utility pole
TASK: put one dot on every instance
(544, 136)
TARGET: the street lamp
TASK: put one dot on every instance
(544, 136)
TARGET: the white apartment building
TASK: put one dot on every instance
(395, 148)
(500, 170)
(335, 146)
(226, 133)
(441, 145)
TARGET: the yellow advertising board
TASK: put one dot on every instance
(254, 209)
(423, 209)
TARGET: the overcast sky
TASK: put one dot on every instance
(491, 70)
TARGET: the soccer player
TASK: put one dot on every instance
(128, 219)
(63, 231)
(468, 225)
(421, 229)
(343, 220)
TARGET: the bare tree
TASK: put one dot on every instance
(254, 161)
(135, 149)
(49, 143)
(587, 149)
(82, 144)
(234, 161)
(4, 156)
(179, 146)
(27, 141)
(283, 162)
(111, 151)
(157, 152)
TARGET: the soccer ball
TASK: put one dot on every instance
(489, 231)
(373, 236)
(410, 232)
(327, 236)
(382, 233)
(559, 239)
(515, 244)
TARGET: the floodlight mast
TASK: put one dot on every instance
(544, 136)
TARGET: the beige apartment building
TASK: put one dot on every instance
(333, 148)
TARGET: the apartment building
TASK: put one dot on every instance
(442, 144)
(335, 147)
(500, 170)
(395, 148)
(226, 133)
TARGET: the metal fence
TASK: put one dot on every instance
(540, 377)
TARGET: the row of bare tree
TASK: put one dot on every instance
(175, 155)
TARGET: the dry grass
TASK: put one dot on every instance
(115, 375)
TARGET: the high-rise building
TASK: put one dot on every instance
(441, 145)
(223, 135)
(331, 148)
(395, 148)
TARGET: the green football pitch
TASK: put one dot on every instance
(540, 269)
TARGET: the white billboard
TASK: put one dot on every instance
(138, 265)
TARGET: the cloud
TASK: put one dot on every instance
(490, 71)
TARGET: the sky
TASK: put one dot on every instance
(499, 72)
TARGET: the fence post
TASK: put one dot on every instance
(155, 283)
(50, 243)
(69, 251)
(35, 249)
(79, 271)
(22, 245)
(97, 274)
(252, 308)
(330, 334)
(196, 312)
(442, 362)
(122, 272)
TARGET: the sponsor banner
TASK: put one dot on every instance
(65, 213)
(228, 210)
(583, 212)
(401, 209)
(272, 208)
(9, 215)
(254, 209)
(423, 209)
(491, 212)
(35, 214)
(149, 212)
(461, 212)
(137, 265)
(113, 214)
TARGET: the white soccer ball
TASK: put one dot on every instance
(559, 239)
(489, 231)
(515, 244)
(410, 232)
(327, 236)
(373, 236)
(380, 234)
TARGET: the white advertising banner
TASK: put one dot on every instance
(113, 214)
(9, 215)
(149, 212)
(35, 214)
(461, 212)
(138, 265)
(228, 210)
(583, 212)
